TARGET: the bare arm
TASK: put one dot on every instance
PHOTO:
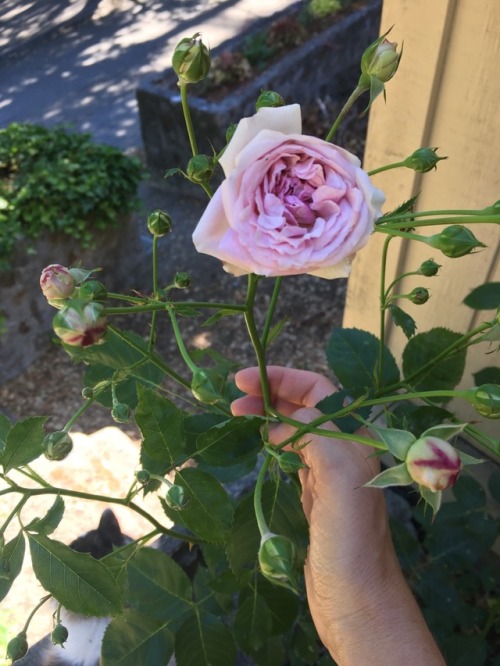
(360, 603)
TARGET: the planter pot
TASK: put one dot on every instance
(325, 65)
(121, 251)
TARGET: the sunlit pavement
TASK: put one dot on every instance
(79, 62)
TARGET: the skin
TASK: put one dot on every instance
(360, 603)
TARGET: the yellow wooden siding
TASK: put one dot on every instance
(446, 94)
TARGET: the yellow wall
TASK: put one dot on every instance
(446, 93)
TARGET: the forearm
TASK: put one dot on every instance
(385, 627)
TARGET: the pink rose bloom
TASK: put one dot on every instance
(290, 204)
(433, 463)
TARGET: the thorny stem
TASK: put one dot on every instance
(13, 513)
(359, 90)
(190, 130)
(380, 361)
(387, 167)
(180, 342)
(33, 612)
(66, 492)
(257, 498)
(152, 332)
(270, 312)
(254, 336)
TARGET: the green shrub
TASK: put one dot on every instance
(53, 180)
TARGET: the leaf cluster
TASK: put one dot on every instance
(57, 181)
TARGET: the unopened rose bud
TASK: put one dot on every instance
(429, 268)
(200, 169)
(87, 393)
(80, 323)
(92, 291)
(17, 647)
(419, 295)
(57, 445)
(278, 559)
(191, 60)
(269, 98)
(120, 412)
(175, 497)
(290, 462)
(455, 241)
(57, 284)
(423, 160)
(182, 280)
(486, 400)
(143, 476)
(380, 60)
(159, 223)
(433, 463)
(59, 635)
(207, 386)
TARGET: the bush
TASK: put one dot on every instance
(53, 180)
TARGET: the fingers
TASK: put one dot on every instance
(299, 388)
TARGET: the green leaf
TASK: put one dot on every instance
(422, 350)
(5, 426)
(417, 418)
(78, 581)
(403, 320)
(161, 425)
(282, 604)
(203, 640)
(50, 521)
(209, 510)
(158, 587)
(489, 375)
(136, 640)
(398, 441)
(125, 391)
(393, 476)
(353, 356)
(24, 442)
(196, 425)
(232, 442)
(334, 403)
(484, 297)
(253, 623)
(469, 493)
(14, 554)
(462, 650)
(494, 486)
(120, 352)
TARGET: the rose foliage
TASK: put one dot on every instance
(228, 582)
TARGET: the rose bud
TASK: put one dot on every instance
(191, 60)
(200, 169)
(269, 98)
(207, 386)
(380, 60)
(454, 241)
(290, 462)
(429, 268)
(159, 223)
(175, 497)
(143, 476)
(419, 295)
(87, 393)
(92, 291)
(57, 284)
(433, 463)
(486, 400)
(277, 560)
(57, 445)
(80, 323)
(17, 647)
(423, 160)
(120, 412)
(59, 635)
(182, 280)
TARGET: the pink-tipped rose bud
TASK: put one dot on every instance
(57, 284)
(80, 323)
(433, 463)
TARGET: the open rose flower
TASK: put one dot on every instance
(290, 204)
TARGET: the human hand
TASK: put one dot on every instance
(352, 574)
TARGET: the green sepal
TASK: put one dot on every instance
(398, 441)
(445, 431)
(433, 499)
(394, 476)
